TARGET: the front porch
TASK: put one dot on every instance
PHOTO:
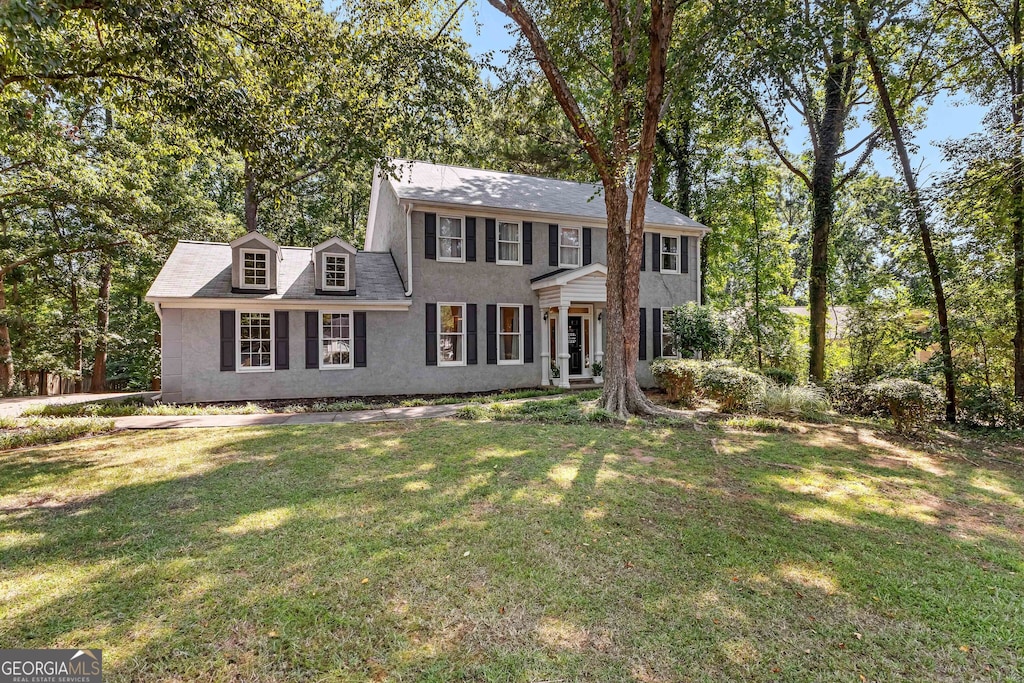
(572, 306)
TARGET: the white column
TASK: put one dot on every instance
(599, 335)
(563, 346)
(545, 348)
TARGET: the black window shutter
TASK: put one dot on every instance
(470, 239)
(586, 246)
(656, 252)
(643, 334)
(281, 340)
(527, 244)
(312, 339)
(430, 236)
(227, 340)
(656, 331)
(492, 248)
(527, 334)
(684, 254)
(471, 342)
(431, 334)
(643, 253)
(553, 245)
(492, 334)
(359, 325)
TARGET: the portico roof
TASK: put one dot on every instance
(560, 278)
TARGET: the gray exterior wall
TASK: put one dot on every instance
(389, 229)
(236, 266)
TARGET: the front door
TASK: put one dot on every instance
(575, 345)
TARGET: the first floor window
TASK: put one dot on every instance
(569, 247)
(508, 242)
(254, 268)
(668, 338)
(335, 340)
(669, 254)
(335, 272)
(452, 332)
(449, 238)
(510, 334)
(255, 341)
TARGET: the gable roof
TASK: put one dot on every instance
(202, 270)
(563, 276)
(420, 181)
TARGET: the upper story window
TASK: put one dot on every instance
(668, 339)
(510, 238)
(450, 239)
(335, 271)
(669, 254)
(451, 334)
(255, 268)
(510, 334)
(255, 342)
(335, 340)
(570, 246)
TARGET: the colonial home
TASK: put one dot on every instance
(469, 280)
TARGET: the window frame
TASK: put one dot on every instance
(241, 268)
(461, 238)
(238, 342)
(348, 273)
(519, 334)
(351, 339)
(579, 246)
(665, 330)
(441, 334)
(498, 242)
(662, 253)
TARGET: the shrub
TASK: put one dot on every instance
(678, 377)
(991, 407)
(848, 396)
(781, 376)
(697, 328)
(910, 403)
(772, 399)
(731, 387)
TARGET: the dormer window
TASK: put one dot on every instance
(335, 271)
(255, 268)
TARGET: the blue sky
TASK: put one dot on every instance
(952, 116)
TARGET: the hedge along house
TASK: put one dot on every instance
(470, 281)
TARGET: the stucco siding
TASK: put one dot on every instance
(389, 229)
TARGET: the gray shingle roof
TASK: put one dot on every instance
(425, 182)
(203, 270)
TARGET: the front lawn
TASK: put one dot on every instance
(508, 551)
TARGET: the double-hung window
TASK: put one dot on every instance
(509, 240)
(668, 339)
(669, 254)
(255, 268)
(449, 239)
(335, 272)
(570, 246)
(255, 342)
(451, 338)
(510, 334)
(335, 340)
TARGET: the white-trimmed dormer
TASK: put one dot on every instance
(334, 267)
(255, 261)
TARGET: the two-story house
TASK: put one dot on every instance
(470, 281)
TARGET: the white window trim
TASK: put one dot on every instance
(238, 342)
(579, 248)
(348, 273)
(351, 339)
(241, 268)
(664, 328)
(501, 334)
(662, 252)
(438, 237)
(498, 241)
(441, 333)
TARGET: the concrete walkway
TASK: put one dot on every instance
(350, 417)
(13, 407)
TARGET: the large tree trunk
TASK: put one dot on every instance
(1017, 192)
(251, 201)
(6, 356)
(99, 366)
(79, 350)
(920, 215)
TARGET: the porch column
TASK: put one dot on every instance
(563, 346)
(545, 347)
(599, 336)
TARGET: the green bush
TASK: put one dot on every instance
(991, 407)
(772, 399)
(848, 396)
(678, 377)
(910, 403)
(731, 387)
(781, 376)
(697, 328)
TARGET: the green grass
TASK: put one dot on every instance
(495, 551)
(36, 431)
